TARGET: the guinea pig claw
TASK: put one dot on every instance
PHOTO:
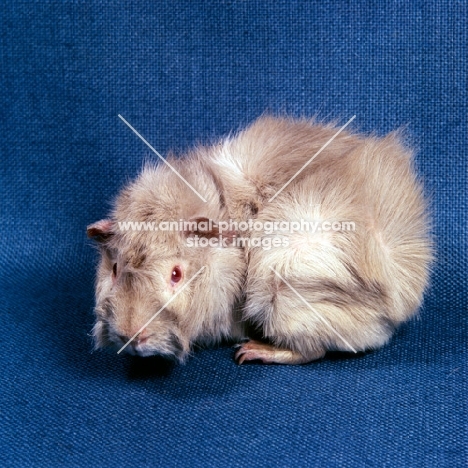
(253, 351)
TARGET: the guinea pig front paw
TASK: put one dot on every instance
(268, 354)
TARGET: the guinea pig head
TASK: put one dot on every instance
(157, 292)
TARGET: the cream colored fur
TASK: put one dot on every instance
(324, 291)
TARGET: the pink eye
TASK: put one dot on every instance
(176, 275)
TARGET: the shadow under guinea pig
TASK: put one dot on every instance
(143, 368)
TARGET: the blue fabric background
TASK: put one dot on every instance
(183, 72)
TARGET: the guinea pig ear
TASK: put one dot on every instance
(100, 230)
(205, 227)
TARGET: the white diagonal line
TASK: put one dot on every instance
(313, 310)
(159, 156)
(312, 158)
(161, 309)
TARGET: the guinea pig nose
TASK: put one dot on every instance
(135, 337)
(140, 339)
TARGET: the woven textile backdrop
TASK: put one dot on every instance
(187, 72)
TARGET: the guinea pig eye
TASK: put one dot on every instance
(176, 275)
(114, 270)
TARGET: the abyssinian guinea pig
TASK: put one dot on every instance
(315, 238)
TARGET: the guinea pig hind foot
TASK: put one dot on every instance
(268, 354)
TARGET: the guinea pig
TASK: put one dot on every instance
(312, 236)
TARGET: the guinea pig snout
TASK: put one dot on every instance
(147, 343)
(140, 338)
(136, 344)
